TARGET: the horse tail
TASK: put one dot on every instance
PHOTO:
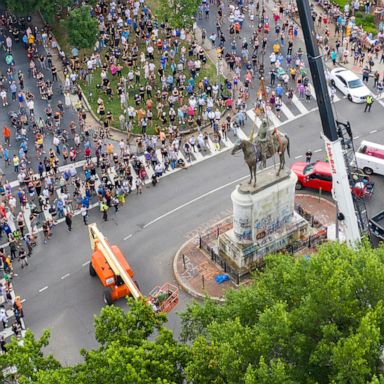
(289, 154)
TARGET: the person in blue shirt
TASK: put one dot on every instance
(170, 82)
(279, 90)
(333, 56)
(6, 156)
(60, 208)
(163, 62)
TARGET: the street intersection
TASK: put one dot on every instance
(58, 291)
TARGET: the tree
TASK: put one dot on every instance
(316, 320)
(27, 358)
(178, 13)
(125, 355)
(23, 7)
(50, 8)
(82, 28)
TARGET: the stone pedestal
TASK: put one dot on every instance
(264, 220)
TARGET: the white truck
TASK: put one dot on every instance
(370, 158)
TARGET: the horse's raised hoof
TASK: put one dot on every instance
(250, 181)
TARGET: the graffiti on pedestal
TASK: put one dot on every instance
(242, 229)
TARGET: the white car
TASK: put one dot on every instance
(349, 84)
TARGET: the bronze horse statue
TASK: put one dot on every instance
(276, 142)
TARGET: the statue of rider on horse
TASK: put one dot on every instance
(267, 143)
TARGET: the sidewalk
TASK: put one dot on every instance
(332, 42)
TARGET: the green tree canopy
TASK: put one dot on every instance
(301, 320)
(178, 13)
(82, 28)
(21, 7)
(316, 320)
(49, 8)
(126, 355)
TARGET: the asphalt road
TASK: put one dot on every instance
(30, 84)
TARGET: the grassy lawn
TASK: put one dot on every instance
(207, 70)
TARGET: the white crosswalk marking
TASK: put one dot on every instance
(299, 105)
(252, 115)
(241, 135)
(287, 112)
(273, 118)
(227, 143)
(198, 156)
(313, 93)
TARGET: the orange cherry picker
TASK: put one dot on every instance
(114, 272)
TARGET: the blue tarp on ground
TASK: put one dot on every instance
(221, 278)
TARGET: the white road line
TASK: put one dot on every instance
(193, 201)
(299, 157)
(86, 263)
(287, 112)
(23, 301)
(43, 289)
(299, 105)
(273, 118)
(128, 237)
(241, 134)
(356, 137)
(198, 156)
(313, 93)
(252, 115)
(373, 131)
(318, 150)
(65, 276)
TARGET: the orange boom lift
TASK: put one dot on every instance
(114, 272)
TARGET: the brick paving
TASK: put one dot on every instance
(195, 271)
(322, 209)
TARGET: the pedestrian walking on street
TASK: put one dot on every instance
(68, 221)
(3, 316)
(84, 214)
(104, 210)
(308, 156)
(23, 258)
(368, 103)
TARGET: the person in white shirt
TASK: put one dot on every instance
(84, 214)
(3, 95)
(31, 107)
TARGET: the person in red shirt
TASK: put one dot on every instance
(7, 135)
(87, 153)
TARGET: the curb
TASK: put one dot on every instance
(180, 282)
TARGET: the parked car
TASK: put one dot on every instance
(349, 84)
(370, 158)
(318, 176)
(313, 175)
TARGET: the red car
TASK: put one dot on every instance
(313, 175)
(318, 175)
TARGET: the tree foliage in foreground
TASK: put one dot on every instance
(82, 28)
(48, 8)
(126, 355)
(178, 13)
(301, 321)
(317, 320)
(21, 7)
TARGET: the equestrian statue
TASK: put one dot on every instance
(267, 143)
